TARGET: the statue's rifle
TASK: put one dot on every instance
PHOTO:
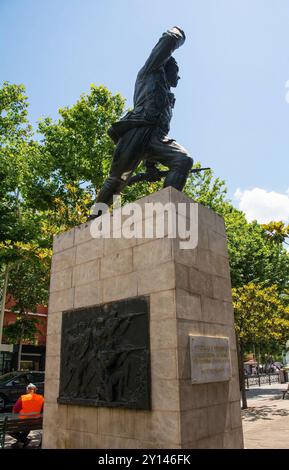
(155, 175)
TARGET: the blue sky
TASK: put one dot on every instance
(231, 111)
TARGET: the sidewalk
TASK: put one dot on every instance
(266, 421)
(34, 436)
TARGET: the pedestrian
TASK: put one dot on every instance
(28, 405)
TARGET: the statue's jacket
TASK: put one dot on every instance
(153, 100)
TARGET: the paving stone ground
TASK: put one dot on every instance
(34, 437)
(266, 421)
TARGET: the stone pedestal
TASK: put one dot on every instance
(189, 294)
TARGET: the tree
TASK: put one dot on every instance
(28, 284)
(253, 258)
(261, 317)
(24, 329)
(15, 146)
(74, 156)
(22, 237)
(277, 232)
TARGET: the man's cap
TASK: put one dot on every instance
(31, 386)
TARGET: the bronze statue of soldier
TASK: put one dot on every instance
(142, 134)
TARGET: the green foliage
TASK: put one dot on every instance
(204, 188)
(24, 329)
(76, 149)
(29, 281)
(277, 232)
(23, 244)
(15, 148)
(253, 258)
(261, 315)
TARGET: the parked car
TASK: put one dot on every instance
(13, 384)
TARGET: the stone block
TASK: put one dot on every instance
(90, 440)
(218, 393)
(211, 329)
(75, 439)
(154, 445)
(156, 279)
(112, 245)
(221, 289)
(234, 389)
(61, 280)
(217, 311)
(212, 442)
(163, 305)
(49, 439)
(63, 241)
(52, 369)
(62, 300)
(82, 233)
(207, 217)
(184, 361)
(235, 414)
(220, 225)
(163, 334)
(186, 328)
(86, 273)
(120, 287)
(54, 415)
(203, 237)
(53, 345)
(182, 276)
(149, 229)
(218, 244)
(194, 425)
(161, 427)
(179, 197)
(233, 439)
(54, 321)
(63, 260)
(51, 390)
(152, 254)
(117, 422)
(218, 418)
(184, 256)
(162, 197)
(83, 419)
(89, 251)
(164, 364)
(200, 283)
(88, 294)
(193, 396)
(165, 395)
(111, 442)
(116, 264)
(188, 305)
(212, 263)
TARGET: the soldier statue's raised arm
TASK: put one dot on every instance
(142, 134)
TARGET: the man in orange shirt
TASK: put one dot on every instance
(27, 404)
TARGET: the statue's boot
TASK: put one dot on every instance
(112, 186)
(178, 175)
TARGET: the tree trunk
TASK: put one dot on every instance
(240, 351)
(20, 349)
(3, 300)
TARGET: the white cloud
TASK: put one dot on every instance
(263, 206)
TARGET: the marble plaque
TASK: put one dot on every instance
(210, 359)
